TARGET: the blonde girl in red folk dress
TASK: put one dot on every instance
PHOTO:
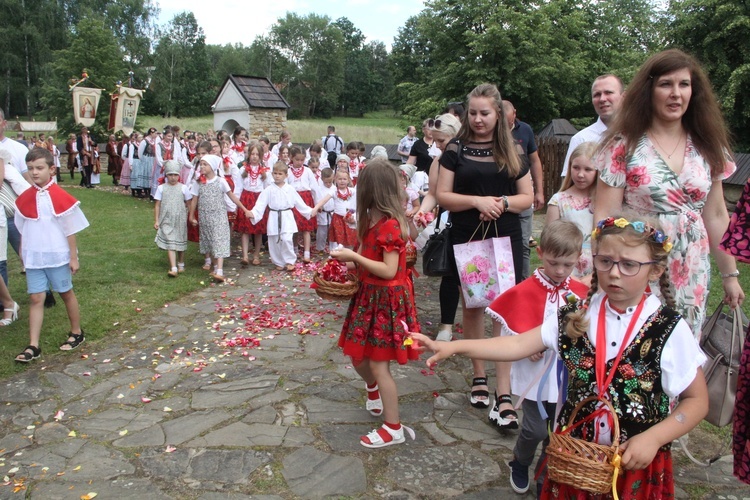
(344, 210)
(382, 310)
(254, 179)
(303, 181)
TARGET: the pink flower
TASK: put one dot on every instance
(700, 295)
(484, 277)
(676, 196)
(637, 177)
(678, 274)
(617, 164)
(472, 279)
(491, 295)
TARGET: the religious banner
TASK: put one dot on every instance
(85, 104)
(125, 101)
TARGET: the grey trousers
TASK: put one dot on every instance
(533, 432)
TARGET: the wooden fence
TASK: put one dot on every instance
(552, 151)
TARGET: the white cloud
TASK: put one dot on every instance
(225, 21)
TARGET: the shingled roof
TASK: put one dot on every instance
(559, 127)
(257, 91)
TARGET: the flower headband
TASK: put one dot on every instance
(638, 227)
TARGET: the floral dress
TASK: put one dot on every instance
(676, 201)
(373, 327)
(579, 211)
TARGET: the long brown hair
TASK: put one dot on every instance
(702, 120)
(503, 145)
(378, 188)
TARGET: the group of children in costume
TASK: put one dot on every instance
(276, 193)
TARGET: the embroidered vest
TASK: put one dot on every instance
(636, 391)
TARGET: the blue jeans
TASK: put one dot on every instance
(526, 228)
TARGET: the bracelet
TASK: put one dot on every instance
(505, 203)
(733, 274)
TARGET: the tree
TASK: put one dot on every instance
(312, 45)
(95, 49)
(181, 83)
(542, 54)
(716, 32)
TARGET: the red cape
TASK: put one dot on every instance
(26, 203)
(521, 308)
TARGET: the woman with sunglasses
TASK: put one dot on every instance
(666, 156)
(482, 178)
(424, 149)
(442, 129)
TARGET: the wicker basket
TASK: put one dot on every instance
(582, 464)
(330, 290)
(411, 254)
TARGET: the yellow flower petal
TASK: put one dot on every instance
(621, 222)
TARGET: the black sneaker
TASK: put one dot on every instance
(519, 477)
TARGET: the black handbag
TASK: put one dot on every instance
(436, 254)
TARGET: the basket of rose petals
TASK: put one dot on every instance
(333, 281)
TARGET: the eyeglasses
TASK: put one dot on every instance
(434, 123)
(626, 267)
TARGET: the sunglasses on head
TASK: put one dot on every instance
(434, 123)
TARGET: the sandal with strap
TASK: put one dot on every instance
(374, 406)
(479, 398)
(69, 345)
(13, 317)
(376, 440)
(505, 419)
(30, 353)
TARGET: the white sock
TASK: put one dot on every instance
(219, 272)
(307, 255)
(181, 265)
(174, 269)
(208, 261)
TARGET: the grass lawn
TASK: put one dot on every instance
(121, 270)
(380, 127)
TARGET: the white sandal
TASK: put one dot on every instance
(398, 437)
(374, 406)
(13, 317)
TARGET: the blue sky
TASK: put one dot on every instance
(233, 21)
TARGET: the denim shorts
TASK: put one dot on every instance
(40, 280)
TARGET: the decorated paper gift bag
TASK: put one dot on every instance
(485, 268)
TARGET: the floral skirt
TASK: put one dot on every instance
(303, 224)
(373, 326)
(125, 173)
(340, 232)
(243, 224)
(655, 482)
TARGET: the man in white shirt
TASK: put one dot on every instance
(17, 150)
(404, 146)
(607, 92)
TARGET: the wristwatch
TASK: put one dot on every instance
(505, 203)
(733, 274)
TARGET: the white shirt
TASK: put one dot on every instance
(340, 207)
(680, 358)
(592, 133)
(186, 194)
(258, 184)
(234, 173)
(45, 240)
(280, 200)
(305, 182)
(176, 153)
(18, 151)
(326, 211)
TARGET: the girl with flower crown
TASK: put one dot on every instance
(623, 346)
(304, 182)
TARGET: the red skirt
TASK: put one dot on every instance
(303, 224)
(243, 224)
(340, 232)
(194, 230)
(654, 482)
(374, 324)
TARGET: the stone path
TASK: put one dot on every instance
(239, 391)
